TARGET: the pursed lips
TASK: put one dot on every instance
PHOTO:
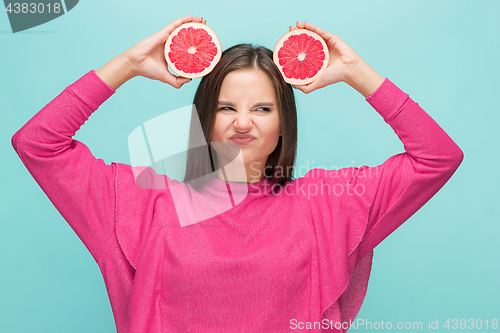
(242, 136)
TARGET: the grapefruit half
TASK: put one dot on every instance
(192, 50)
(301, 55)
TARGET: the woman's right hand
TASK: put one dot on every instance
(146, 58)
(148, 55)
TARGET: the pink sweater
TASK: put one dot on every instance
(271, 263)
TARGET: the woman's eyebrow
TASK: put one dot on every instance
(255, 105)
(226, 103)
(263, 104)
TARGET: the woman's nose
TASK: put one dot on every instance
(243, 122)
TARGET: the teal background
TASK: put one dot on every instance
(443, 263)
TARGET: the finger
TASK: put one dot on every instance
(177, 81)
(327, 36)
(302, 88)
(162, 35)
(292, 28)
(180, 81)
(306, 89)
(174, 81)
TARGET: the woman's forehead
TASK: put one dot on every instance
(247, 85)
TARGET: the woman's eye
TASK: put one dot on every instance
(226, 108)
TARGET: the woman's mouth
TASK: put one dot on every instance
(242, 141)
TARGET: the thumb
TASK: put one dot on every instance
(307, 88)
(180, 81)
(174, 81)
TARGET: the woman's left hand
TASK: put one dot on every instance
(341, 62)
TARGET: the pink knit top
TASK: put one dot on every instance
(292, 261)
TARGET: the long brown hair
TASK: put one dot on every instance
(201, 158)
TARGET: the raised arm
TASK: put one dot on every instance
(81, 187)
(393, 191)
(405, 182)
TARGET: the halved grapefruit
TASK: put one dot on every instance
(301, 55)
(192, 50)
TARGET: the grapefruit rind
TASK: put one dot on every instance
(279, 46)
(214, 40)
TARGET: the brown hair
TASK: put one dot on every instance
(201, 160)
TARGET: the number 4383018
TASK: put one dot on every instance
(33, 8)
(471, 324)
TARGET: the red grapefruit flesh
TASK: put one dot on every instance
(301, 55)
(192, 50)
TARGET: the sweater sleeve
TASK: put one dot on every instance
(81, 187)
(401, 185)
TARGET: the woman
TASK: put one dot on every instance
(275, 255)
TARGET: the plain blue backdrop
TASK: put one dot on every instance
(443, 263)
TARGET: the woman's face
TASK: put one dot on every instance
(248, 105)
